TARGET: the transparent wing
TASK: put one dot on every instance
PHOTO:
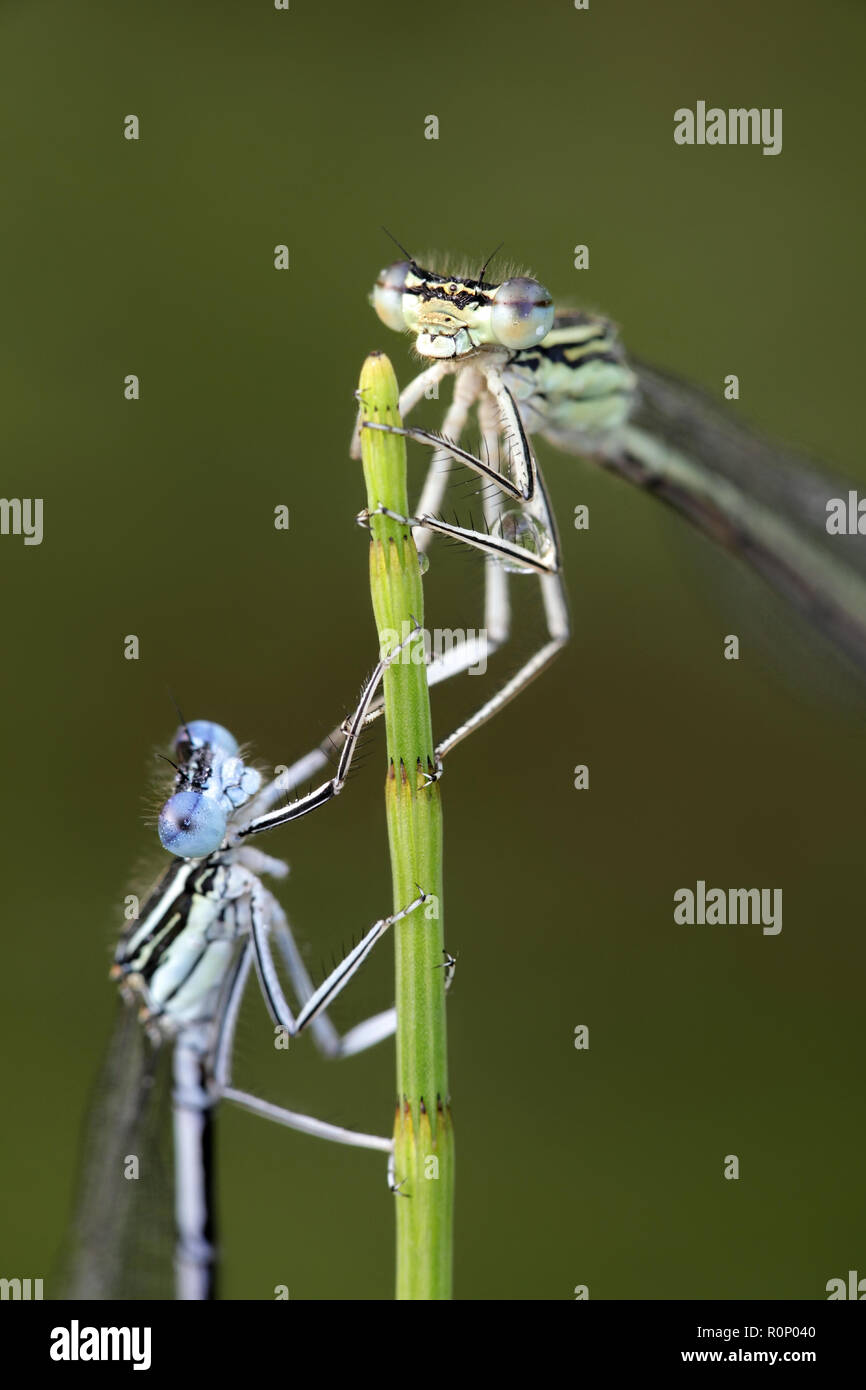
(120, 1242)
(751, 496)
(794, 486)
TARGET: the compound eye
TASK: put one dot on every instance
(387, 296)
(198, 732)
(191, 825)
(522, 313)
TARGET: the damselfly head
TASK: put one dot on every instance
(452, 316)
(212, 781)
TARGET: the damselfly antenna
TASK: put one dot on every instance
(179, 711)
(400, 247)
(487, 262)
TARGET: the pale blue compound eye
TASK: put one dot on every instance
(191, 825)
(387, 296)
(522, 313)
(201, 731)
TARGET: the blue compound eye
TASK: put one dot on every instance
(205, 731)
(201, 731)
(191, 825)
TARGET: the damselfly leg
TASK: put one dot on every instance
(520, 535)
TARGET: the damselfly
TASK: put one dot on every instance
(532, 369)
(183, 964)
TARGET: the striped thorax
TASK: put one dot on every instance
(176, 956)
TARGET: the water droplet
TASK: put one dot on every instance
(519, 529)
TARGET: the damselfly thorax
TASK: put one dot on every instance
(177, 954)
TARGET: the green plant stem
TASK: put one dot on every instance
(423, 1133)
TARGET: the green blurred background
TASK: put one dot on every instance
(556, 127)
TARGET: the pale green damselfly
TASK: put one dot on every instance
(530, 369)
